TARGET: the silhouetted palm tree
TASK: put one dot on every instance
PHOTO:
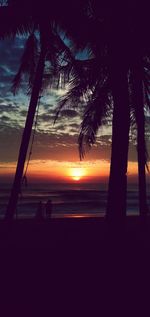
(52, 48)
(140, 102)
(128, 42)
(94, 89)
(113, 42)
(99, 110)
(108, 44)
(127, 94)
(28, 125)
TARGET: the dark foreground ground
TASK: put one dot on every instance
(75, 267)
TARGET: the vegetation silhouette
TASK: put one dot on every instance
(119, 55)
(117, 74)
(51, 49)
(130, 32)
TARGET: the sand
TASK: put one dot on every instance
(48, 233)
(76, 267)
(93, 243)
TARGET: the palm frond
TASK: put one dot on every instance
(146, 88)
(146, 95)
(147, 159)
(98, 109)
(84, 76)
(135, 114)
(58, 59)
(28, 63)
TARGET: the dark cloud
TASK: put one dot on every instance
(8, 107)
(69, 113)
(45, 117)
(47, 107)
(4, 118)
(23, 113)
(75, 125)
(104, 140)
(10, 138)
(10, 55)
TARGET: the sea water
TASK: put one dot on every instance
(68, 200)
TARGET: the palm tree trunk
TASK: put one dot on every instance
(11, 209)
(141, 146)
(141, 149)
(116, 204)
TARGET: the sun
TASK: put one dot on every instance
(76, 178)
(77, 173)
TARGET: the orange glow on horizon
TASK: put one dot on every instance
(66, 171)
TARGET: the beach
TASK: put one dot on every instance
(77, 261)
(75, 265)
(52, 232)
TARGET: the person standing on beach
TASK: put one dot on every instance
(39, 213)
(48, 209)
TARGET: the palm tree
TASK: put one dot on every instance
(17, 23)
(113, 39)
(119, 66)
(139, 88)
(92, 85)
(51, 48)
(139, 103)
(130, 24)
(125, 46)
(46, 52)
(28, 125)
(109, 46)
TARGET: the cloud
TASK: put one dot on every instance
(69, 113)
(9, 142)
(5, 118)
(8, 107)
(45, 117)
(10, 54)
(55, 142)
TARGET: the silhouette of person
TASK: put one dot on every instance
(39, 213)
(48, 209)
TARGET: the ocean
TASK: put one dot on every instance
(68, 199)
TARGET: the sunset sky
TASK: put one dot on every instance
(55, 151)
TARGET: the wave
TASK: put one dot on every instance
(67, 199)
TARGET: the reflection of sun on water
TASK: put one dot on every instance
(77, 173)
